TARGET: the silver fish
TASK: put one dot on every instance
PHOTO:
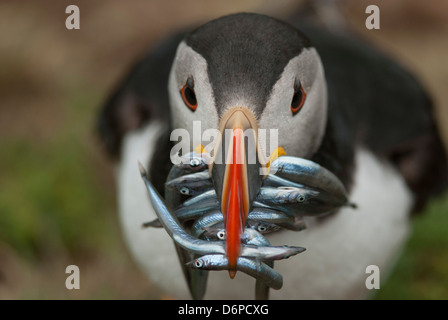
(280, 219)
(195, 279)
(253, 237)
(174, 199)
(254, 268)
(193, 212)
(250, 236)
(209, 225)
(263, 227)
(276, 181)
(199, 226)
(290, 200)
(300, 201)
(208, 201)
(264, 221)
(194, 162)
(270, 215)
(190, 163)
(337, 198)
(270, 253)
(308, 173)
(212, 232)
(261, 219)
(191, 184)
(203, 197)
(286, 195)
(202, 247)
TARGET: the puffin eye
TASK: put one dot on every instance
(188, 94)
(298, 99)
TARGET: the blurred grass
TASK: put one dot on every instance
(422, 270)
(48, 190)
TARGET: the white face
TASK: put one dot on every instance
(189, 63)
(299, 133)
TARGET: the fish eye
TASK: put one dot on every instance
(188, 94)
(300, 198)
(262, 228)
(198, 263)
(184, 191)
(221, 235)
(195, 162)
(298, 99)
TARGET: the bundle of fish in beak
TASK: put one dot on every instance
(217, 224)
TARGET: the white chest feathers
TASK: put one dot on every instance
(338, 249)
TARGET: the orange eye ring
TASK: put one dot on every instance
(298, 99)
(189, 96)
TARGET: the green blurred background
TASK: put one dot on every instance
(57, 187)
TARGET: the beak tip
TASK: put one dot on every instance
(232, 273)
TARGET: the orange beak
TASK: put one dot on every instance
(238, 179)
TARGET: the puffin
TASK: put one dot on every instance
(332, 99)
